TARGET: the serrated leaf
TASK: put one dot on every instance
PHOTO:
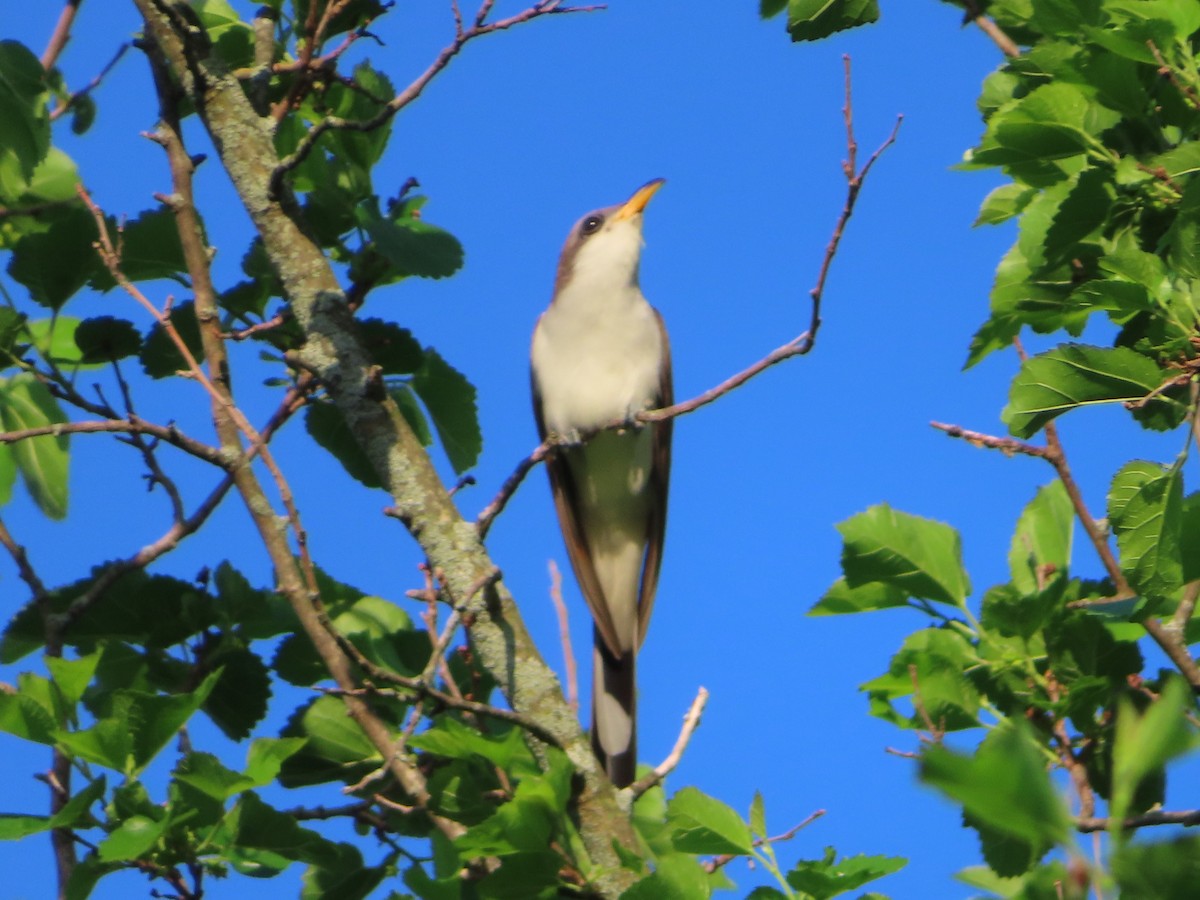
(826, 878)
(1145, 507)
(412, 246)
(392, 348)
(239, 699)
(133, 837)
(72, 676)
(1042, 541)
(149, 249)
(54, 264)
(919, 556)
(106, 339)
(811, 20)
(1145, 743)
(841, 599)
(26, 132)
(160, 356)
(450, 400)
(42, 461)
(702, 824)
(1005, 784)
(1074, 375)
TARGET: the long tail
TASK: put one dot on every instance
(614, 712)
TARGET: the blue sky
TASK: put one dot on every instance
(522, 134)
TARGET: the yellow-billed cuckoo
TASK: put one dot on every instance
(600, 355)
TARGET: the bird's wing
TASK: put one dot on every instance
(566, 502)
(660, 472)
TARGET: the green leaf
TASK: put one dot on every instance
(931, 667)
(267, 756)
(702, 824)
(450, 399)
(1145, 743)
(76, 812)
(149, 248)
(106, 339)
(160, 356)
(132, 838)
(1164, 870)
(392, 348)
(919, 556)
(42, 461)
(811, 20)
(1041, 544)
(238, 700)
(23, 716)
(452, 739)
(1003, 203)
(1145, 507)
(55, 263)
(412, 246)
(1006, 854)
(829, 877)
(26, 131)
(72, 676)
(758, 816)
(13, 827)
(1184, 235)
(1005, 784)
(770, 8)
(1074, 375)
(140, 725)
(335, 750)
(841, 598)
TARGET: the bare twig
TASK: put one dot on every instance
(410, 93)
(76, 96)
(1189, 94)
(168, 434)
(60, 36)
(1007, 446)
(1087, 824)
(1006, 44)
(691, 721)
(564, 635)
(718, 861)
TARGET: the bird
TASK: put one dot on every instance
(600, 356)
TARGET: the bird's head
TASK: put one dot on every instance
(604, 247)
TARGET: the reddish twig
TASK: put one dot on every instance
(168, 434)
(61, 34)
(1006, 44)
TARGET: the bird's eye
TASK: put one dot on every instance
(592, 224)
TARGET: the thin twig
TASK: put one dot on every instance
(60, 36)
(691, 721)
(1187, 91)
(76, 96)
(1006, 44)
(718, 861)
(1186, 817)
(564, 635)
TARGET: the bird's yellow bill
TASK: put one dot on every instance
(635, 204)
